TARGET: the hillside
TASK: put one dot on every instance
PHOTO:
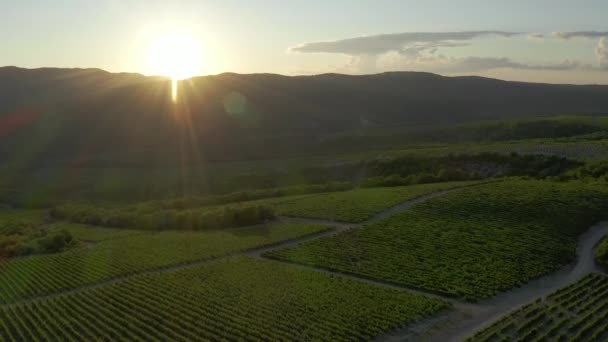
(130, 118)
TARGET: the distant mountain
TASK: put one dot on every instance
(86, 115)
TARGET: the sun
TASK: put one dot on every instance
(177, 55)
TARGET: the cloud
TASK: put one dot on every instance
(581, 34)
(485, 63)
(601, 50)
(383, 43)
(446, 64)
(536, 36)
(489, 63)
(420, 51)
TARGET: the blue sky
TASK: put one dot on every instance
(278, 36)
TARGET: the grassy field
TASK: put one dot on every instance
(38, 275)
(472, 243)
(578, 312)
(359, 204)
(236, 299)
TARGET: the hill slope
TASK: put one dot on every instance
(85, 114)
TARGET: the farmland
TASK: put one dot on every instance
(38, 275)
(236, 299)
(578, 312)
(470, 244)
(168, 269)
(357, 205)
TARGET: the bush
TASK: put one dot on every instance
(190, 219)
(601, 253)
(55, 242)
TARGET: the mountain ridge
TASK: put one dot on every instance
(230, 115)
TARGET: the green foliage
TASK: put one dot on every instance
(589, 171)
(578, 312)
(238, 299)
(86, 233)
(171, 219)
(240, 196)
(357, 205)
(472, 243)
(601, 253)
(37, 275)
(22, 233)
(55, 242)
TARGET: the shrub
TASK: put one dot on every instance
(168, 219)
(601, 253)
(55, 242)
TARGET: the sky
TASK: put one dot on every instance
(556, 41)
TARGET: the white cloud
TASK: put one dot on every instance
(383, 43)
(581, 34)
(441, 63)
(601, 50)
(419, 51)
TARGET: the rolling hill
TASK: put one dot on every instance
(93, 116)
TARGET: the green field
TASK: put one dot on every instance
(237, 299)
(125, 226)
(472, 243)
(578, 312)
(38, 275)
(357, 205)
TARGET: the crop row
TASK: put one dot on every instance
(359, 204)
(472, 243)
(578, 312)
(39, 275)
(238, 299)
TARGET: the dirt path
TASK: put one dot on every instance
(461, 323)
(338, 226)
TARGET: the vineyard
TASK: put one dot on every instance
(237, 299)
(45, 274)
(471, 244)
(357, 205)
(578, 312)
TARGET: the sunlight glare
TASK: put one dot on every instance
(174, 90)
(177, 55)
